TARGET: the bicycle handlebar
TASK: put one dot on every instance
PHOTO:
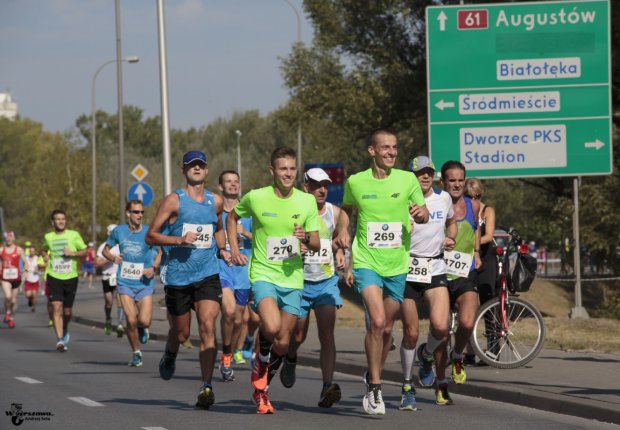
(514, 234)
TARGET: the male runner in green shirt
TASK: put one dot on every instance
(382, 196)
(282, 217)
(63, 248)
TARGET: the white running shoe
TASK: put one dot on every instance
(373, 402)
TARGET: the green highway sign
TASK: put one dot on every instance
(520, 89)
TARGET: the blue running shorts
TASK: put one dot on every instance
(392, 286)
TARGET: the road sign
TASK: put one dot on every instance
(139, 172)
(141, 191)
(520, 89)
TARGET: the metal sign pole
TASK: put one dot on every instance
(578, 311)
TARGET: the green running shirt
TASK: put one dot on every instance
(59, 266)
(276, 257)
(379, 202)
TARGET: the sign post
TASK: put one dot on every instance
(521, 89)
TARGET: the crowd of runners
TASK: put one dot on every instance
(266, 259)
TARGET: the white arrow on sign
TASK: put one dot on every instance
(140, 192)
(442, 105)
(442, 18)
(596, 144)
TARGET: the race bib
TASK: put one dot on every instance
(323, 256)
(282, 248)
(204, 233)
(132, 270)
(10, 273)
(458, 263)
(112, 280)
(384, 234)
(420, 270)
(62, 265)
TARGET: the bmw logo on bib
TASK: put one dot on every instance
(199, 229)
(457, 256)
(282, 241)
(384, 227)
(415, 262)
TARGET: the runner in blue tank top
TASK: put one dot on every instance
(193, 236)
(234, 279)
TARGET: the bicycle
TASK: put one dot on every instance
(509, 331)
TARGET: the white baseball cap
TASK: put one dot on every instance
(316, 174)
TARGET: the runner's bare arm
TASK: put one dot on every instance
(343, 237)
(231, 225)
(167, 212)
(220, 233)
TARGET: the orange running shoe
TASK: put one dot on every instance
(263, 405)
(259, 375)
(226, 368)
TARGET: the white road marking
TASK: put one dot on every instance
(85, 401)
(154, 428)
(28, 380)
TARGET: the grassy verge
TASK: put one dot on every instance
(553, 300)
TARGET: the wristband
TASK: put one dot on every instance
(476, 250)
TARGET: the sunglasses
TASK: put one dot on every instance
(136, 212)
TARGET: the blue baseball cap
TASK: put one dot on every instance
(191, 156)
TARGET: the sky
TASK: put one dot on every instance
(223, 57)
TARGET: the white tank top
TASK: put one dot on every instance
(427, 239)
(321, 271)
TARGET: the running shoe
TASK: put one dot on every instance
(205, 397)
(60, 346)
(443, 397)
(248, 348)
(407, 402)
(187, 344)
(330, 394)
(120, 330)
(228, 375)
(143, 335)
(287, 374)
(11, 323)
(66, 336)
(260, 375)
(263, 405)
(107, 328)
(365, 379)
(425, 373)
(136, 360)
(7, 317)
(238, 357)
(458, 371)
(373, 402)
(167, 365)
(253, 360)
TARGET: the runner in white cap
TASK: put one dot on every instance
(320, 293)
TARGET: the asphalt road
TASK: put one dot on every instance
(91, 387)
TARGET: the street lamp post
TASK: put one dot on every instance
(238, 133)
(130, 59)
(299, 154)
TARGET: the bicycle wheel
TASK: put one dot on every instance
(512, 347)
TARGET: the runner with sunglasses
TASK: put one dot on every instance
(135, 276)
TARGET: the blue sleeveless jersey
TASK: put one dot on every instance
(186, 265)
